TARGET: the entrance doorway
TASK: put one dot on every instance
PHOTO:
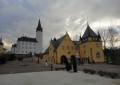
(63, 59)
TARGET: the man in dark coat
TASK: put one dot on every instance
(67, 65)
(74, 63)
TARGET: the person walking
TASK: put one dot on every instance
(74, 63)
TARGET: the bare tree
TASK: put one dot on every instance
(109, 36)
(113, 37)
(104, 36)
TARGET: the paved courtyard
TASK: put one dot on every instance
(19, 67)
(29, 66)
(56, 78)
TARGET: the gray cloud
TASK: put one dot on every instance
(20, 17)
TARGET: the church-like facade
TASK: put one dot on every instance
(88, 49)
(27, 45)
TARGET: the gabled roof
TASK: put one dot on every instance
(27, 39)
(89, 33)
(39, 28)
(57, 42)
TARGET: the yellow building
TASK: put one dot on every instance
(91, 47)
(87, 49)
(58, 48)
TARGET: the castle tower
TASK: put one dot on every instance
(91, 47)
(39, 38)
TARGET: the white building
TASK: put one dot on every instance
(27, 45)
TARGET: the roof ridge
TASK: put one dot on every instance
(89, 32)
(28, 39)
(57, 42)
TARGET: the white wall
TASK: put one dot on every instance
(24, 47)
(39, 37)
(13, 50)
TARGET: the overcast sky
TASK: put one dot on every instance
(20, 17)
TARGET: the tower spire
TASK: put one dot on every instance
(39, 24)
(39, 28)
(89, 32)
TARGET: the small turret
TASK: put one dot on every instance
(80, 39)
(89, 33)
(39, 38)
(55, 39)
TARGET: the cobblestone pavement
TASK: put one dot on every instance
(21, 67)
(30, 66)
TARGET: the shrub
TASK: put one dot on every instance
(92, 71)
(12, 57)
(109, 74)
(85, 70)
(3, 60)
(114, 75)
(101, 73)
(106, 73)
(89, 71)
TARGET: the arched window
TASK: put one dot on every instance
(91, 52)
(97, 55)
